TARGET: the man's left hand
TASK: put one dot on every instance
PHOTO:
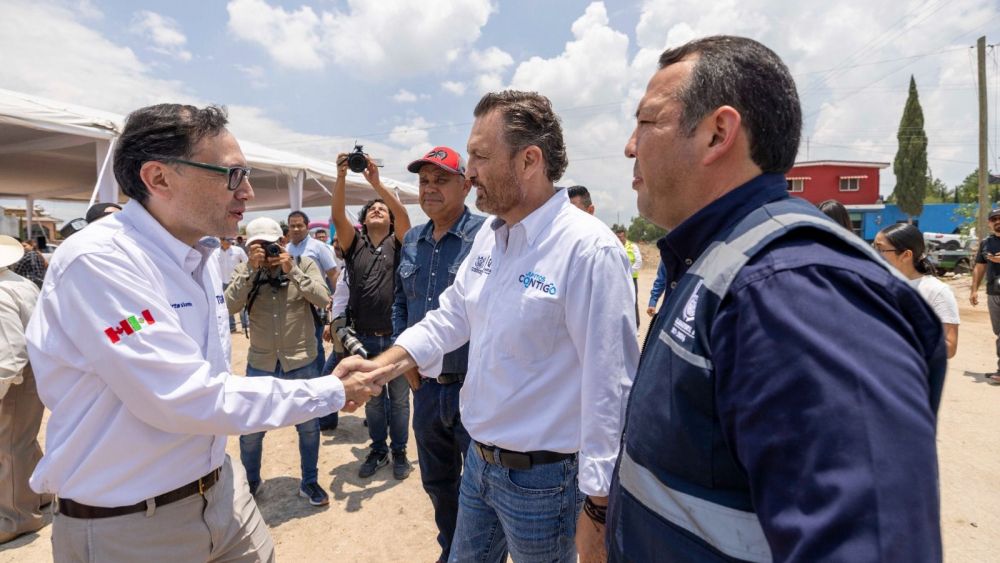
(590, 539)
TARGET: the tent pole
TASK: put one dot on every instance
(29, 211)
(101, 171)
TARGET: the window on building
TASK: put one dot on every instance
(796, 185)
(850, 184)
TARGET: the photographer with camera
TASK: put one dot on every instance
(280, 293)
(372, 256)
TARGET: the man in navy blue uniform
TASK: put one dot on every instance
(785, 405)
(428, 261)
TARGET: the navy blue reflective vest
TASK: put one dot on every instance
(674, 464)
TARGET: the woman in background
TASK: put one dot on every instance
(902, 246)
(836, 211)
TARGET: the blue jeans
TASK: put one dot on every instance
(393, 422)
(441, 443)
(320, 351)
(252, 445)
(531, 513)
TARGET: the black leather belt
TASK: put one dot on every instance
(517, 460)
(75, 509)
(449, 378)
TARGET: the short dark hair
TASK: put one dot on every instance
(528, 120)
(161, 131)
(836, 211)
(580, 192)
(744, 74)
(364, 213)
(320, 230)
(305, 218)
(904, 236)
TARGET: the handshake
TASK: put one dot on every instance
(363, 379)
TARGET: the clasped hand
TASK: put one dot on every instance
(362, 380)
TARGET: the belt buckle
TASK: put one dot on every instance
(201, 486)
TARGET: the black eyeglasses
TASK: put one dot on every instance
(235, 174)
(884, 250)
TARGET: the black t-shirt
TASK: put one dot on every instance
(372, 274)
(991, 245)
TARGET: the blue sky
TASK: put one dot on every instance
(400, 77)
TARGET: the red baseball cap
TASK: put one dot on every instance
(443, 157)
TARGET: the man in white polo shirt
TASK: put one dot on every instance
(130, 348)
(229, 256)
(546, 302)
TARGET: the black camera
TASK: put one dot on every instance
(352, 345)
(356, 160)
(272, 249)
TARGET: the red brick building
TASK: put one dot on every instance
(849, 182)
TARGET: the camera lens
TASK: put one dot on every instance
(273, 249)
(357, 161)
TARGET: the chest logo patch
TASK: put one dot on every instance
(537, 281)
(129, 325)
(483, 265)
(682, 328)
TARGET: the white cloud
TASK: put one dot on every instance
(404, 96)
(291, 38)
(457, 88)
(83, 66)
(254, 73)
(412, 134)
(163, 32)
(378, 39)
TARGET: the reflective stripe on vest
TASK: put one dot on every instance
(733, 532)
(725, 521)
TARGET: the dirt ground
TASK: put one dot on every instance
(381, 519)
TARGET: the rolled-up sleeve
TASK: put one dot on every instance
(601, 323)
(159, 372)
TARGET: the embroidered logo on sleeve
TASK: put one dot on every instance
(129, 326)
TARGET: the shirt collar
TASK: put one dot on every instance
(457, 228)
(186, 257)
(690, 239)
(540, 218)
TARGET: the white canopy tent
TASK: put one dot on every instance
(59, 151)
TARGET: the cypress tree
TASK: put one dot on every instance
(910, 165)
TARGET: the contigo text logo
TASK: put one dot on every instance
(536, 281)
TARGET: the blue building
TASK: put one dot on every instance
(869, 219)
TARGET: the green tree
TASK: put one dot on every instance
(968, 190)
(937, 191)
(643, 230)
(910, 165)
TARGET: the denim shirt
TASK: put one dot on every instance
(426, 268)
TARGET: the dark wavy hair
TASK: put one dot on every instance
(363, 214)
(528, 119)
(161, 131)
(903, 237)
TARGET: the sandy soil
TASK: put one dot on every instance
(381, 519)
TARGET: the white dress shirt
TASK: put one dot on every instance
(130, 347)
(548, 307)
(228, 259)
(341, 297)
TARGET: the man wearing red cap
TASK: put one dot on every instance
(429, 259)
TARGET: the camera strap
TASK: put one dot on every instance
(254, 291)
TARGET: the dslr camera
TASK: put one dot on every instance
(356, 160)
(272, 249)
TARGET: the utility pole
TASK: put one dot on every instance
(984, 209)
